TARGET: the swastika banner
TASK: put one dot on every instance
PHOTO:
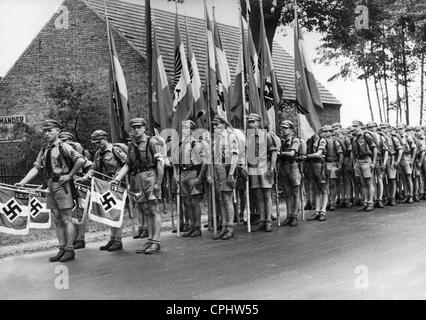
(14, 211)
(79, 212)
(40, 217)
(107, 203)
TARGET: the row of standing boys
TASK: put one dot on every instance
(372, 166)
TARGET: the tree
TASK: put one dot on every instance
(76, 107)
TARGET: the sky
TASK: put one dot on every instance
(21, 20)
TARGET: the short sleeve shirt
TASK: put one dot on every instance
(292, 143)
(146, 155)
(58, 161)
(225, 146)
(110, 160)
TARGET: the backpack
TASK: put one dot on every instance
(375, 139)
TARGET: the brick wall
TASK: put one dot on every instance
(81, 52)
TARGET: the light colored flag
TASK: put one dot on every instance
(307, 93)
(183, 100)
(223, 75)
(197, 89)
(162, 103)
(40, 216)
(14, 211)
(119, 106)
(107, 203)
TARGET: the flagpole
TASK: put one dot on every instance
(302, 206)
(178, 198)
(148, 28)
(243, 43)
(212, 187)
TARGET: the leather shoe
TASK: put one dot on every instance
(287, 221)
(268, 227)
(228, 235)
(117, 245)
(196, 233)
(315, 216)
(362, 208)
(188, 233)
(332, 207)
(369, 207)
(68, 255)
(379, 204)
(106, 247)
(144, 247)
(58, 256)
(79, 244)
(294, 222)
(416, 199)
(153, 249)
(392, 202)
(220, 235)
(141, 234)
(321, 217)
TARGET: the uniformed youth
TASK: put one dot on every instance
(192, 171)
(225, 159)
(107, 161)
(262, 158)
(365, 155)
(68, 137)
(146, 163)
(289, 172)
(60, 162)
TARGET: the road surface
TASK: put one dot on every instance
(353, 255)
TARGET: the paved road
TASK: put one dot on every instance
(336, 259)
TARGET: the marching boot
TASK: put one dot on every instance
(106, 247)
(392, 202)
(58, 256)
(261, 226)
(142, 233)
(154, 248)
(379, 204)
(196, 232)
(117, 245)
(79, 244)
(185, 227)
(229, 233)
(68, 256)
(287, 221)
(369, 207)
(189, 232)
(293, 222)
(221, 234)
(144, 247)
(268, 226)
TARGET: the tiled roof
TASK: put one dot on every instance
(129, 20)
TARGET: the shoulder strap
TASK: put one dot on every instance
(68, 160)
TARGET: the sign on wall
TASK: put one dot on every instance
(8, 131)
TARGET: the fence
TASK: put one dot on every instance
(11, 173)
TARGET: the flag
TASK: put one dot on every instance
(107, 203)
(197, 89)
(183, 100)
(14, 211)
(269, 96)
(307, 93)
(79, 212)
(162, 103)
(40, 217)
(119, 101)
(251, 63)
(237, 104)
(223, 75)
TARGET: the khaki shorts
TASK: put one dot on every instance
(289, 175)
(390, 168)
(331, 170)
(187, 183)
(363, 168)
(221, 172)
(320, 178)
(60, 196)
(260, 181)
(406, 165)
(144, 183)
